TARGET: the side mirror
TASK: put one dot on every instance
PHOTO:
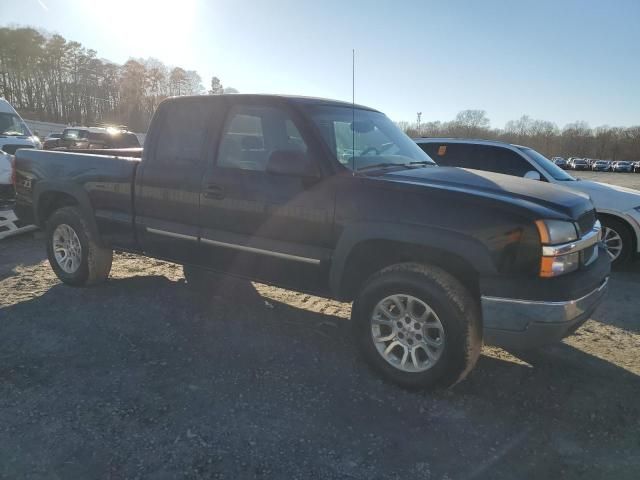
(291, 163)
(533, 175)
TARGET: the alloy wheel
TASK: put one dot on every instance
(407, 333)
(67, 249)
(612, 242)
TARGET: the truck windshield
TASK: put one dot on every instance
(551, 168)
(12, 125)
(363, 138)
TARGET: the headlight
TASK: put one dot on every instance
(553, 232)
(557, 232)
(554, 266)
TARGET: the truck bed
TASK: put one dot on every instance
(103, 183)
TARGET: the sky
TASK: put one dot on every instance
(557, 60)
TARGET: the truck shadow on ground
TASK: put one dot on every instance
(149, 358)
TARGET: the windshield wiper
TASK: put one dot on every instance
(381, 165)
(422, 162)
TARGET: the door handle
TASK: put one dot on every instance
(214, 191)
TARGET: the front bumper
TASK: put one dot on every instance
(521, 324)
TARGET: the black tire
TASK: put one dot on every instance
(95, 260)
(624, 231)
(458, 313)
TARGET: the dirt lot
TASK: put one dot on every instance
(141, 378)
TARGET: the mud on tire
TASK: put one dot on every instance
(451, 304)
(94, 262)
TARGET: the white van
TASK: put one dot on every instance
(14, 133)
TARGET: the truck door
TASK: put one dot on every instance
(261, 223)
(167, 191)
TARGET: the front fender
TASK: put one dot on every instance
(466, 247)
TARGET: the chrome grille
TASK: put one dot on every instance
(586, 221)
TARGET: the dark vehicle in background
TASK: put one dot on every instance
(622, 166)
(579, 164)
(261, 186)
(52, 141)
(618, 208)
(561, 162)
(88, 138)
(600, 166)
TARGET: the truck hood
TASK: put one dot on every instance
(507, 188)
(608, 197)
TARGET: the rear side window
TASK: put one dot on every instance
(182, 133)
(450, 154)
(125, 140)
(98, 137)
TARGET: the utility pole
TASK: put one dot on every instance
(419, 117)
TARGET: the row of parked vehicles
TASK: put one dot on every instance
(574, 163)
(333, 199)
(15, 134)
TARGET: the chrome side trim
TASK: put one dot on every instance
(587, 241)
(171, 234)
(260, 251)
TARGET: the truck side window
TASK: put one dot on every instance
(253, 133)
(182, 134)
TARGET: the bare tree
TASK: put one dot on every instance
(216, 87)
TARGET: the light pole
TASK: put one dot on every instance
(419, 116)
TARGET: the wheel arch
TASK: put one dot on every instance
(49, 198)
(635, 232)
(366, 249)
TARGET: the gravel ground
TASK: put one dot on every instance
(141, 378)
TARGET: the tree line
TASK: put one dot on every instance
(48, 78)
(576, 139)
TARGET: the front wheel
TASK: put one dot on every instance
(74, 253)
(418, 326)
(617, 239)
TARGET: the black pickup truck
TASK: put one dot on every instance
(333, 199)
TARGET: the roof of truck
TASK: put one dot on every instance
(298, 99)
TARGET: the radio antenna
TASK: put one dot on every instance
(353, 111)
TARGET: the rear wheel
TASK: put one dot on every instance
(617, 239)
(418, 326)
(74, 252)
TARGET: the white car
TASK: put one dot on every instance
(618, 208)
(14, 133)
(6, 185)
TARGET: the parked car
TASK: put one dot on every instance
(14, 133)
(7, 193)
(600, 166)
(434, 259)
(561, 162)
(622, 166)
(580, 164)
(636, 167)
(618, 208)
(83, 138)
(52, 141)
